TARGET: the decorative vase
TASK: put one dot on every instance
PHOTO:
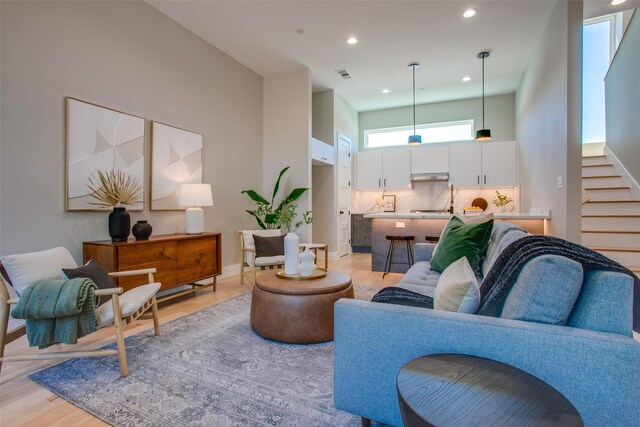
(306, 266)
(291, 250)
(142, 230)
(119, 224)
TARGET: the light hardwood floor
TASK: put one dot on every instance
(25, 403)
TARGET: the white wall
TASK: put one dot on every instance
(287, 136)
(499, 115)
(548, 117)
(127, 56)
(622, 90)
(322, 116)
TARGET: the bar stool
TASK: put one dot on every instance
(392, 243)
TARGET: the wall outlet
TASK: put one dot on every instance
(399, 224)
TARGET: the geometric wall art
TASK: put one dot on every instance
(176, 158)
(100, 138)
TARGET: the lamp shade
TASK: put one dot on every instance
(483, 135)
(415, 139)
(195, 195)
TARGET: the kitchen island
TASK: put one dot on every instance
(427, 227)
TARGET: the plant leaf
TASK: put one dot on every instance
(256, 197)
(271, 218)
(260, 223)
(277, 186)
(294, 195)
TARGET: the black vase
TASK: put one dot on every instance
(119, 224)
(142, 230)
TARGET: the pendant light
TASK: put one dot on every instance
(483, 134)
(414, 139)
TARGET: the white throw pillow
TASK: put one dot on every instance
(24, 269)
(457, 289)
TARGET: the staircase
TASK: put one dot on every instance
(611, 215)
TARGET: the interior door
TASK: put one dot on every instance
(344, 195)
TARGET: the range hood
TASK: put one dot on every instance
(430, 177)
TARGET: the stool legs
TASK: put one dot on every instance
(409, 254)
(387, 266)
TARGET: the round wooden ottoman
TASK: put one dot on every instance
(297, 311)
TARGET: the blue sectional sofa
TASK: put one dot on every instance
(595, 363)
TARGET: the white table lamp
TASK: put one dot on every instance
(193, 197)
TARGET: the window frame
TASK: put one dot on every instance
(367, 132)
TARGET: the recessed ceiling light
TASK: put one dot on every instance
(616, 2)
(466, 78)
(470, 12)
(385, 90)
(300, 31)
(352, 40)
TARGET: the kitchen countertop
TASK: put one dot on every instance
(409, 215)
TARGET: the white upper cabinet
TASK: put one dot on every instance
(465, 164)
(321, 153)
(483, 164)
(499, 160)
(430, 159)
(396, 169)
(369, 170)
(383, 169)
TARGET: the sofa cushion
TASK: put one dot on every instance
(24, 269)
(470, 220)
(95, 272)
(458, 289)
(269, 246)
(545, 291)
(605, 303)
(498, 232)
(461, 240)
(421, 274)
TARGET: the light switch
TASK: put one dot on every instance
(560, 182)
(399, 224)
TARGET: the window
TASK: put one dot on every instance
(461, 130)
(600, 40)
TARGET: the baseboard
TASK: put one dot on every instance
(608, 152)
(230, 270)
(333, 256)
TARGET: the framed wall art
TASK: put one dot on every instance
(100, 139)
(389, 203)
(176, 158)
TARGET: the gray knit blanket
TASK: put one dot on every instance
(504, 272)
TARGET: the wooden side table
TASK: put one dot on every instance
(461, 390)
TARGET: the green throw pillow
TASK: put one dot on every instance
(461, 240)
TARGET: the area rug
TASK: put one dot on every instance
(207, 369)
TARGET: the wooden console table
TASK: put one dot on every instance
(181, 259)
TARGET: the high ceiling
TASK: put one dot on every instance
(265, 36)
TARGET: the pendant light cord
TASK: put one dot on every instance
(482, 93)
(414, 99)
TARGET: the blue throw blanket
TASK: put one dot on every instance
(504, 272)
(57, 311)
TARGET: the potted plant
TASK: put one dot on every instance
(266, 213)
(270, 216)
(501, 200)
(117, 190)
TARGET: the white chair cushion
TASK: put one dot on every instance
(130, 302)
(269, 260)
(24, 269)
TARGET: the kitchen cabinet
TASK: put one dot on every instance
(430, 159)
(483, 164)
(360, 233)
(383, 169)
(321, 153)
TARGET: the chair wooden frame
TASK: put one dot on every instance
(252, 253)
(313, 247)
(7, 336)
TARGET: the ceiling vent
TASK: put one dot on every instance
(344, 74)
